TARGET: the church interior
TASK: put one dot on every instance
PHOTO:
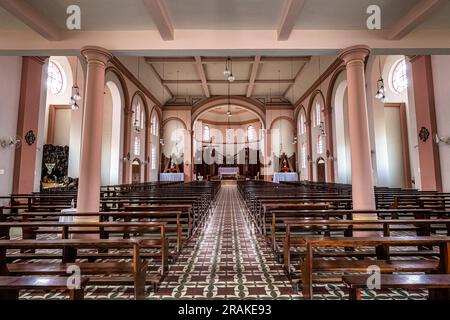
(259, 150)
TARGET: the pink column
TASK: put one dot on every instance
(362, 178)
(430, 166)
(28, 122)
(91, 149)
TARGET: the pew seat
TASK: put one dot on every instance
(10, 286)
(397, 281)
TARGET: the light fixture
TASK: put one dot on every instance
(438, 139)
(161, 142)
(322, 129)
(75, 91)
(227, 71)
(381, 90)
(9, 143)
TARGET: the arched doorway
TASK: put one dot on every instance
(136, 171)
(321, 174)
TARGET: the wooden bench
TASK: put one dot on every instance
(137, 268)
(438, 285)
(10, 286)
(310, 264)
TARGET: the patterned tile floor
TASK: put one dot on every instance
(228, 261)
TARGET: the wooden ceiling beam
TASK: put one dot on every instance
(202, 75)
(418, 13)
(161, 17)
(30, 16)
(253, 75)
(289, 17)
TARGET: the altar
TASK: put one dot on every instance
(285, 177)
(228, 171)
(171, 177)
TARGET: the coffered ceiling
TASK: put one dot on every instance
(204, 76)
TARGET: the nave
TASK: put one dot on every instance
(229, 259)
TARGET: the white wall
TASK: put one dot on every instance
(10, 77)
(441, 76)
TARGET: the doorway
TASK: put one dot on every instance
(136, 171)
(321, 170)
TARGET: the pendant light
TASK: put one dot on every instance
(75, 91)
(231, 77)
(227, 71)
(381, 90)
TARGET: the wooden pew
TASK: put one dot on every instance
(347, 226)
(137, 268)
(438, 285)
(10, 286)
(311, 265)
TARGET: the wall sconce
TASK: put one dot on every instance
(10, 143)
(127, 157)
(187, 163)
(322, 129)
(295, 140)
(439, 140)
(161, 142)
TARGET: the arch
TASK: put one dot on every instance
(291, 121)
(250, 105)
(136, 171)
(298, 111)
(144, 101)
(111, 143)
(332, 84)
(141, 95)
(126, 143)
(311, 102)
(173, 119)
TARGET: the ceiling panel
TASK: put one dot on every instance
(10, 23)
(288, 70)
(99, 14)
(214, 71)
(235, 89)
(177, 71)
(186, 90)
(349, 14)
(225, 14)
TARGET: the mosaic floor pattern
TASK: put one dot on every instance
(228, 261)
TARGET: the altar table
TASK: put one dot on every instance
(285, 177)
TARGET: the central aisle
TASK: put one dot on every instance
(226, 261)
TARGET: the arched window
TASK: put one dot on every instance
(320, 144)
(399, 78)
(318, 114)
(55, 79)
(155, 125)
(251, 133)
(137, 146)
(303, 156)
(302, 124)
(153, 158)
(137, 115)
(206, 134)
(142, 119)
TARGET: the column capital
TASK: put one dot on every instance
(355, 53)
(96, 55)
